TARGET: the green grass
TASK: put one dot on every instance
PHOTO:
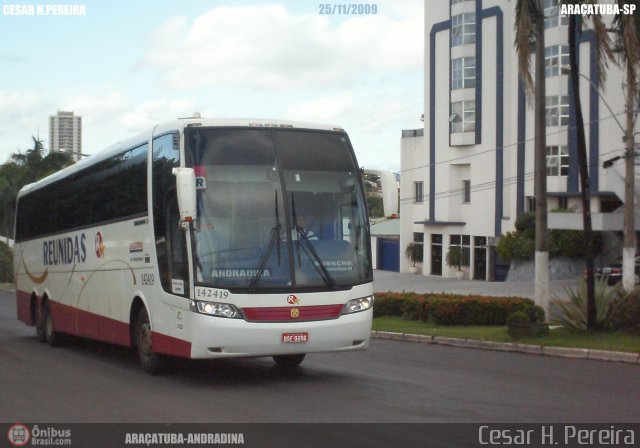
(560, 337)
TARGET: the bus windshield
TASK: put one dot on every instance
(277, 209)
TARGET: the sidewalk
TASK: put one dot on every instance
(384, 281)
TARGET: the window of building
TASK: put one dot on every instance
(463, 29)
(464, 243)
(436, 254)
(557, 160)
(563, 203)
(552, 15)
(555, 57)
(557, 110)
(531, 204)
(466, 191)
(418, 188)
(463, 73)
(463, 116)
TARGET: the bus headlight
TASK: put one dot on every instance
(357, 305)
(217, 309)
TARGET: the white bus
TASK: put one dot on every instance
(202, 238)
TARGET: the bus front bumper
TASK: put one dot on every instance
(215, 337)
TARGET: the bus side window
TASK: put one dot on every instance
(166, 156)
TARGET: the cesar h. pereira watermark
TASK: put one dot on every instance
(36, 9)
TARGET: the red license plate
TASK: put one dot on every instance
(295, 338)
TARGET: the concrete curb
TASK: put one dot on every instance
(562, 352)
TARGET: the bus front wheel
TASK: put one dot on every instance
(151, 362)
(288, 361)
(40, 324)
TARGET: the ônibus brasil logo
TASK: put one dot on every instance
(18, 435)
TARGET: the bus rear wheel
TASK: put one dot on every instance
(52, 337)
(151, 362)
(289, 361)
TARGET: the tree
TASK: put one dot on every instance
(529, 33)
(603, 53)
(20, 170)
(626, 29)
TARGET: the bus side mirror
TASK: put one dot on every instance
(186, 191)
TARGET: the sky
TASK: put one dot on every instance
(127, 65)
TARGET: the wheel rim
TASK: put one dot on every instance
(144, 340)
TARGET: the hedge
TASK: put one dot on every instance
(449, 309)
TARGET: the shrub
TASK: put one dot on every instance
(414, 252)
(454, 257)
(527, 323)
(516, 246)
(531, 314)
(627, 315)
(6, 263)
(520, 245)
(573, 314)
(449, 309)
(519, 317)
(407, 305)
(375, 206)
(526, 221)
(388, 304)
(476, 310)
(568, 243)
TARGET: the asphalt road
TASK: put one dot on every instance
(85, 381)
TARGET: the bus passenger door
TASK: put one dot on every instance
(170, 243)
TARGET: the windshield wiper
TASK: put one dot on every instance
(309, 249)
(273, 240)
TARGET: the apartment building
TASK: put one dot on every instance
(65, 134)
(467, 179)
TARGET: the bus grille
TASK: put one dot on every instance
(292, 313)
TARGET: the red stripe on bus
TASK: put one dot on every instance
(293, 313)
(23, 305)
(170, 345)
(70, 320)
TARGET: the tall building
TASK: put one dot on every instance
(466, 181)
(65, 134)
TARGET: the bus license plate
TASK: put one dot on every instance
(295, 338)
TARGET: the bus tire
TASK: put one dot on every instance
(40, 323)
(289, 361)
(52, 337)
(151, 362)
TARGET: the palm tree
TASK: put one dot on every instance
(626, 29)
(529, 30)
(603, 53)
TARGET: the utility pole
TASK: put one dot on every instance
(541, 288)
(629, 239)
